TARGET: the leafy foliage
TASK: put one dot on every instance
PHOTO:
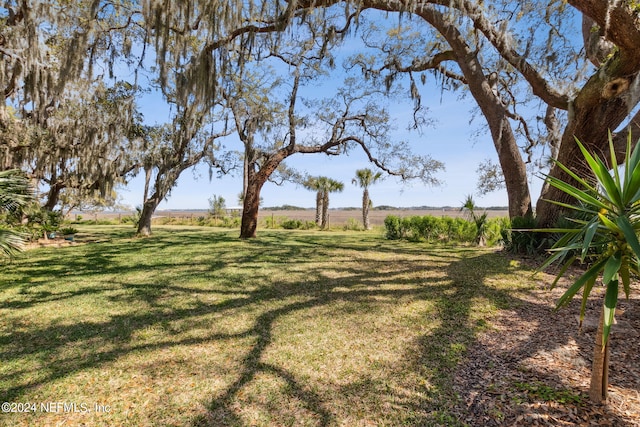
(480, 221)
(607, 237)
(519, 239)
(15, 193)
(217, 206)
(442, 229)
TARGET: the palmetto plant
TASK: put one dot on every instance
(314, 184)
(15, 193)
(365, 178)
(605, 236)
(327, 185)
(480, 221)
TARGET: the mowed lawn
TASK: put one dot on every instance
(194, 327)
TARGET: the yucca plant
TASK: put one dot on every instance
(480, 221)
(605, 236)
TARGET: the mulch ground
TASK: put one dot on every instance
(54, 242)
(533, 366)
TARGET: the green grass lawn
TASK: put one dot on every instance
(194, 327)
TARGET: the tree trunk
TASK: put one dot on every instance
(600, 107)
(600, 368)
(325, 210)
(318, 208)
(492, 107)
(255, 180)
(148, 209)
(53, 196)
(514, 171)
(365, 209)
(251, 208)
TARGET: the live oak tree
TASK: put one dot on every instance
(269, 120)
(172, 148)
(498, 57)
(44, 45)
(505, 55)
(58, 116)
(87, 145)
(606, 100)
(274, 16)
(488, 48)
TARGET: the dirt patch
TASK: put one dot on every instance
(533, 366)
(56, 243)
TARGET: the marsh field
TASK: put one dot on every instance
(337, 217)
(194, 327)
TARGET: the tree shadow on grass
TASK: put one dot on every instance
(355, 285)
(98, 260)
(459, 296)
(442, 348)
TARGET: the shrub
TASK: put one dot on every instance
(274, 221)
(520, 239)
(392, 227)
(353, 225)
(443, 229)
(231, 222)
(127, 219)
(494, 230)
(68, 230)
(309, 225)
(291, 224)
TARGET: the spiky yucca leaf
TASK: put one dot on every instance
(609, 238)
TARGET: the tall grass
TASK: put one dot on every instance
(194, 327)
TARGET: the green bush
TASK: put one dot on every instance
(291, 224)
(353, 225)
(392, 227)
(494, 230)
(127, 219)
(520, 239)
(309, 225)
(442, 229)
(68, 230)
(231, 222)
(274, 221)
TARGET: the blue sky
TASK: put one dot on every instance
(451, 140)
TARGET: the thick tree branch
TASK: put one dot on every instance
(625, 33)
(539, 85)
(433, 63)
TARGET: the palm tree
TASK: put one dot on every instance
(364, 178)
(313, 184)
(470, 207)
(327, 185)
(15, 193)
